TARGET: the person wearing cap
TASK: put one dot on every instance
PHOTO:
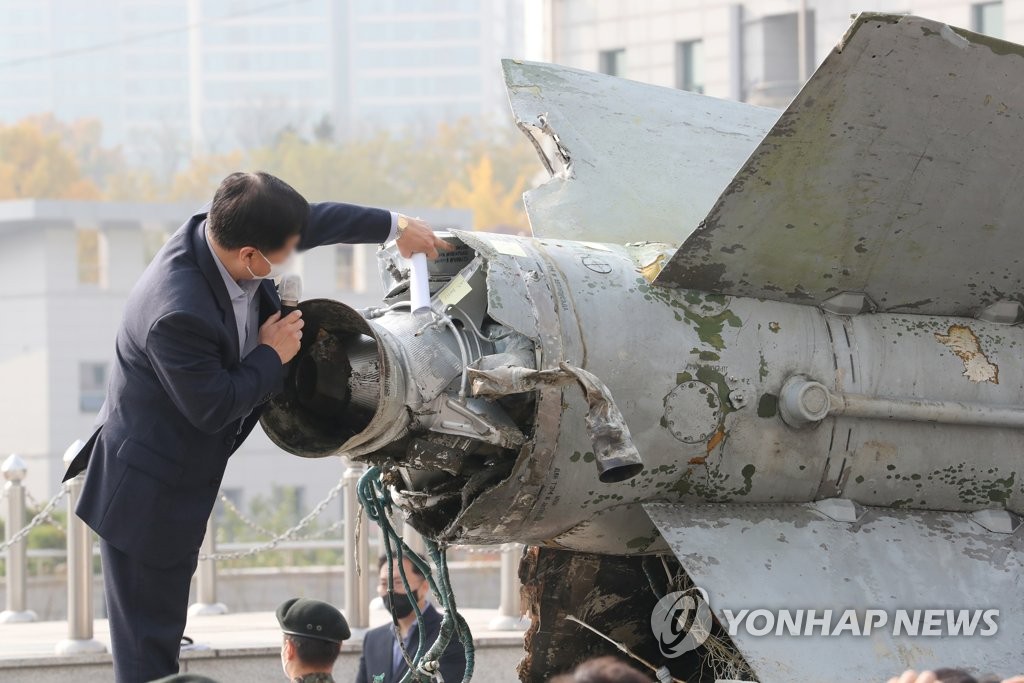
(313, 634)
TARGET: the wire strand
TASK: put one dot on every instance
(375, 498)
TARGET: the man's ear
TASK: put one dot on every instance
(245, 253)
(289, 649)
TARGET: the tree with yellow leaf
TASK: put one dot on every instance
(493, 205)
(199, 181)
(35, 163)
(460, 164)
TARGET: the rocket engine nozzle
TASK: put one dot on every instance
(342, 391)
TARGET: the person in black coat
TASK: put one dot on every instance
(200, 349)
(382, 660)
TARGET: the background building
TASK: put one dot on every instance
(749, 51)
(69, 268)
(424, 61)
(172, 77)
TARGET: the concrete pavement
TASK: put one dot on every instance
(229, 648)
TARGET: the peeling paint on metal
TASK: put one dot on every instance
(716, 439)
(768, 405)
(708, 314)
(650, 270)
(962, 341)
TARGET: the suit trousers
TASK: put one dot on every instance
(147, 607)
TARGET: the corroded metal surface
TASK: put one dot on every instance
(891, 173)
(786, 557)
(962, 341)
(613, 594)
(631, 159)
(614, 452)
(661, 345)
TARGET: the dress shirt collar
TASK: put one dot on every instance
(235, 290)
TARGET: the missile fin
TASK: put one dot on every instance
(929, 571)
(626, 161)
(894, 173)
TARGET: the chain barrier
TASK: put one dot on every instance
(334, 526)
(40, 518)
(44, 516)
(230, 506)
(30, 499)
(287, 535)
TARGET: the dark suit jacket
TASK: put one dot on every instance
(378, 644)
(180, 400)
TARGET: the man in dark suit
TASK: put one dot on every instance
(200, 350)
(382, 660)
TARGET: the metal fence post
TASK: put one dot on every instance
(357, 594)
(80, 633)
(510, 617)
(14, 471)
(206, 578)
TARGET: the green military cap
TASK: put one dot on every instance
(184, 678)
(312, 619)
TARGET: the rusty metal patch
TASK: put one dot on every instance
(962, 341)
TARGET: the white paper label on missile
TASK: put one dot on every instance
(419, 287)
(455, 291)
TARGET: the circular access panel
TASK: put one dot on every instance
(692, 412)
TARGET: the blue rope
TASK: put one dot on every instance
(376, 500)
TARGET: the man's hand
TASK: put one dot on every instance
(283, 334)
(418, 237)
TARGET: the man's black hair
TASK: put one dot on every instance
(256, 210)
(383, 559)
(313, 651)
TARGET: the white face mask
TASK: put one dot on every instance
(276, 269)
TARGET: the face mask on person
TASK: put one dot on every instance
(400, 606)
(276, 269)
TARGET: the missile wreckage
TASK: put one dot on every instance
(773, 357)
